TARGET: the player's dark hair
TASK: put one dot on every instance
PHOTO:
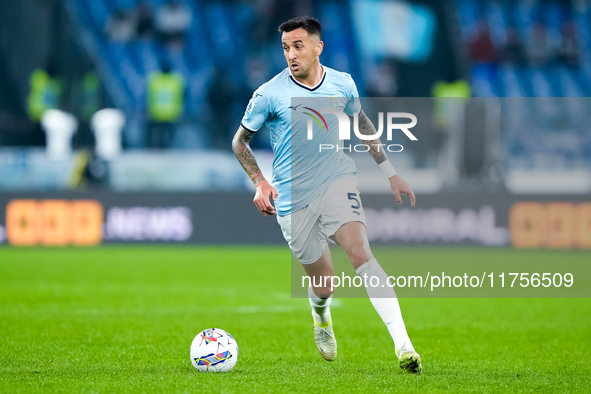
(309, 24)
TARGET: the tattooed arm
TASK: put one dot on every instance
(377, 151)
(246, 158)
(375, 147)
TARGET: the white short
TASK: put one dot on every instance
(308, 230)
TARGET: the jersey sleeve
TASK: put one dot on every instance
(353, 105)
(257, 111)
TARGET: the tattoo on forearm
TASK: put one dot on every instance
(376, 149)
(245, 156)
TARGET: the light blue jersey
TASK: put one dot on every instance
(301, 172)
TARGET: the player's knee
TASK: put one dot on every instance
(359, 255)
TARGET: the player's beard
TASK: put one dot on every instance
(302, 72)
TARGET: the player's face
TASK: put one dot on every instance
(301, 51)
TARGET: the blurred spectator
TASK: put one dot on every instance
(443, 107)
(257, 73)
(269, 15)
(121, 26)
(484, 56)
(568, 51)
(458, 88)
(145, 20)
(482, 49)
(91, 97)
(45, 91)
(538, 48)
(166, 101)
(173, 20)
(85, 99)
(383, 82)
(513, 51)
(262, 25)
(221, 94)
(580, 6)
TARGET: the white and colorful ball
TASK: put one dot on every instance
(214, 350)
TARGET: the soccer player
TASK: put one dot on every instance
(319, 200)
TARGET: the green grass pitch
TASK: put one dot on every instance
(121, 319)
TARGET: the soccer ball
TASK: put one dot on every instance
(214, 350)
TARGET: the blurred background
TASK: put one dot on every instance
(116, 116)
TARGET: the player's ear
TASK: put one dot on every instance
(319, 48)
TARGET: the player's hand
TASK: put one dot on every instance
(399, 186)
(264, 192)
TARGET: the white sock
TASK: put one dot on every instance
(385, 303)
(320, 307)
